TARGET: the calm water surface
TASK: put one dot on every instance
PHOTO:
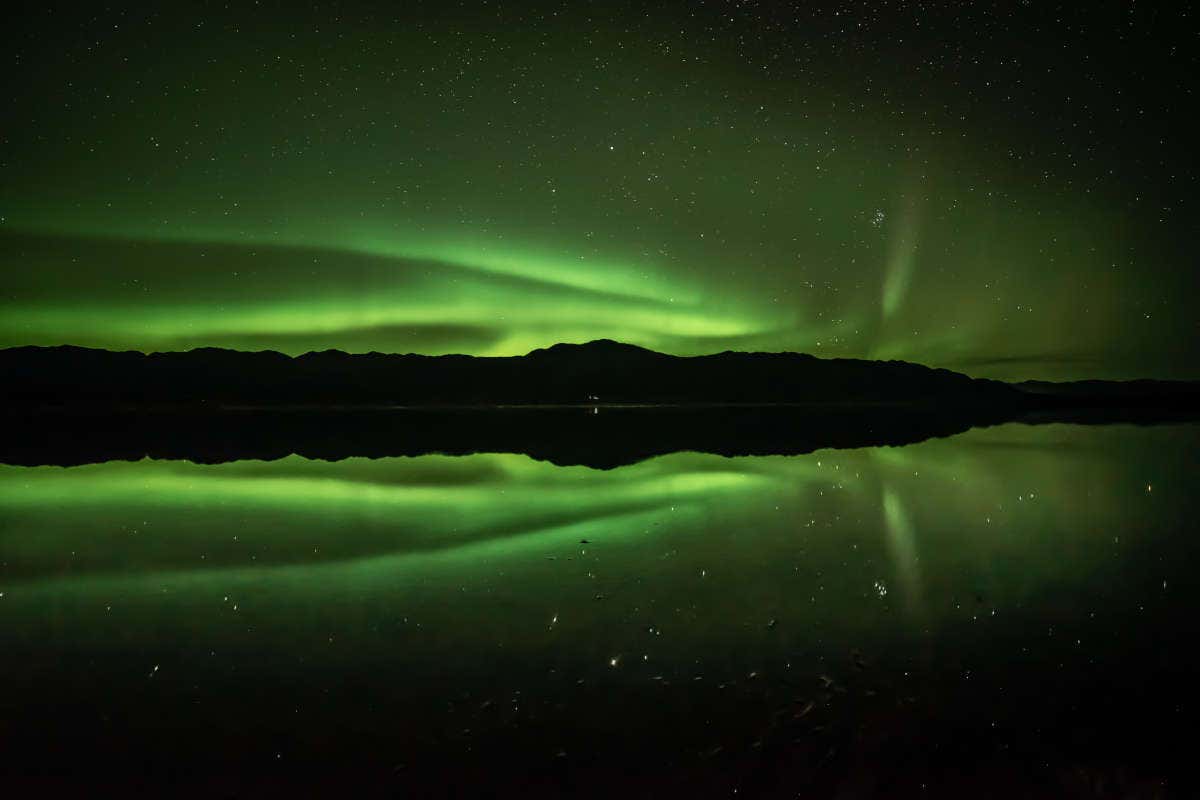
(1008, 610)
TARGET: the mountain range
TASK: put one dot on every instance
(601, 404)
(599, 372)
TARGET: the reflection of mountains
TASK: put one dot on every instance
(600, 437)
(602, 404)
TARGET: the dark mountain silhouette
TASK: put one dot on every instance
(598, 372)
(602, 404)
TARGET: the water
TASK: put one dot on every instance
(1006, 611)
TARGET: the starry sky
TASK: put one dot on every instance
(1006, 189)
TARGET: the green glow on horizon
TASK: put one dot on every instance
(425, 204)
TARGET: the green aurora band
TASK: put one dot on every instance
(493, 190)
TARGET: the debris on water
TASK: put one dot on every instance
(856, 658)
(772, 623)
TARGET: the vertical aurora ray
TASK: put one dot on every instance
(902, 545)
(902, 258)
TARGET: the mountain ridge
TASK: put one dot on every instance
(601, 371)
(601, 404)
(598, 371)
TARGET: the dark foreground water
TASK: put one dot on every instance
(1006, 613)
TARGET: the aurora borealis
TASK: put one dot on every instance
(1003, 190)
(597, 571)
(1025, 584)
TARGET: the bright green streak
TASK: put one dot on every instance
(163, 541)
(448, 196)
(403, 576)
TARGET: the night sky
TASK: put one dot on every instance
(1006, 189)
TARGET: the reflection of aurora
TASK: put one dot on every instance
(989, 512)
